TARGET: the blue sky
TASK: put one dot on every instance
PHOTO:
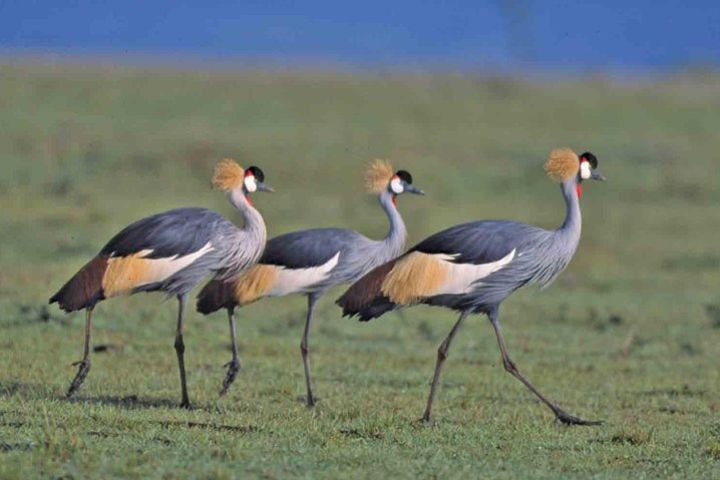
(600, 35)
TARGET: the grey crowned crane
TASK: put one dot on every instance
(309, 262)
(170, 252)
(473, 267)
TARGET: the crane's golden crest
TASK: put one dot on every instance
(377, 175)
(562, 164)
(228, 175)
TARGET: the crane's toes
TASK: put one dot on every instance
(426, 421)
(567, 419)
(233, 367)
(309, 400)
(186, 405)
(83, 369)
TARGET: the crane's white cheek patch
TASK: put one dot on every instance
(250, 183)
(396, 186)
(462, 277)
(123, 274)
(298, 280)
(585, 172)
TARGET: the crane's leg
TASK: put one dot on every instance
(180, 349)
(510, 366)
(305, 350)
(233, 365)
(84, 364)
(442, 355)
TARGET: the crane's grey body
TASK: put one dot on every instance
(184, 231)
(306, 262)
(474, 267)
(540, 255)
(170, 252)
(357, 254)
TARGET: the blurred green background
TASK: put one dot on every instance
(630, 333)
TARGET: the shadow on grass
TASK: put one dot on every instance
(683, 391)
(32, 313)
(6, 447)
(209, 426)
(133, 402)
(129, 401)
(38, 391)
(32, 390)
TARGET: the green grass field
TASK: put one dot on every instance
(630, 333)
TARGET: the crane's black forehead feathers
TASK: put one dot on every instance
(591, 158)
(404, 176)
(257, 173)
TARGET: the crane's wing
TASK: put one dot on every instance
(147, 255)
(296, 262)
(452, 265)
(476, 243)
(308, 248)
(176, 232)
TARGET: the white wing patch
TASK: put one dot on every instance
(296, 280)
(461, 277)
(164, 268)
(123, 274)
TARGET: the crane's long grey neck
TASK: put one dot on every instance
(394, 241)
(572, 226)
(254, 224)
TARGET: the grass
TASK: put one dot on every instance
(629, 333)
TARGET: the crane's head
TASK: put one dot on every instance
(380, 177)
(565, 165)
(254, 181)
(231, 177)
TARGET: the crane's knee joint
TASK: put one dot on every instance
(510, 365)
(442, 353)
(179, 345)
(304, 349)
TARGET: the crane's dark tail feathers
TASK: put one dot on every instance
(85, 288)
(364, 298)
(215, 295)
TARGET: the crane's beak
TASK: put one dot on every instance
(595, 175)
(410, 189)
(264, 188)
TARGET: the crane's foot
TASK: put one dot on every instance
(83, 369)
(186, 404)
(233, 367)
(426, 420)
(309, 400)
(567, 419)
